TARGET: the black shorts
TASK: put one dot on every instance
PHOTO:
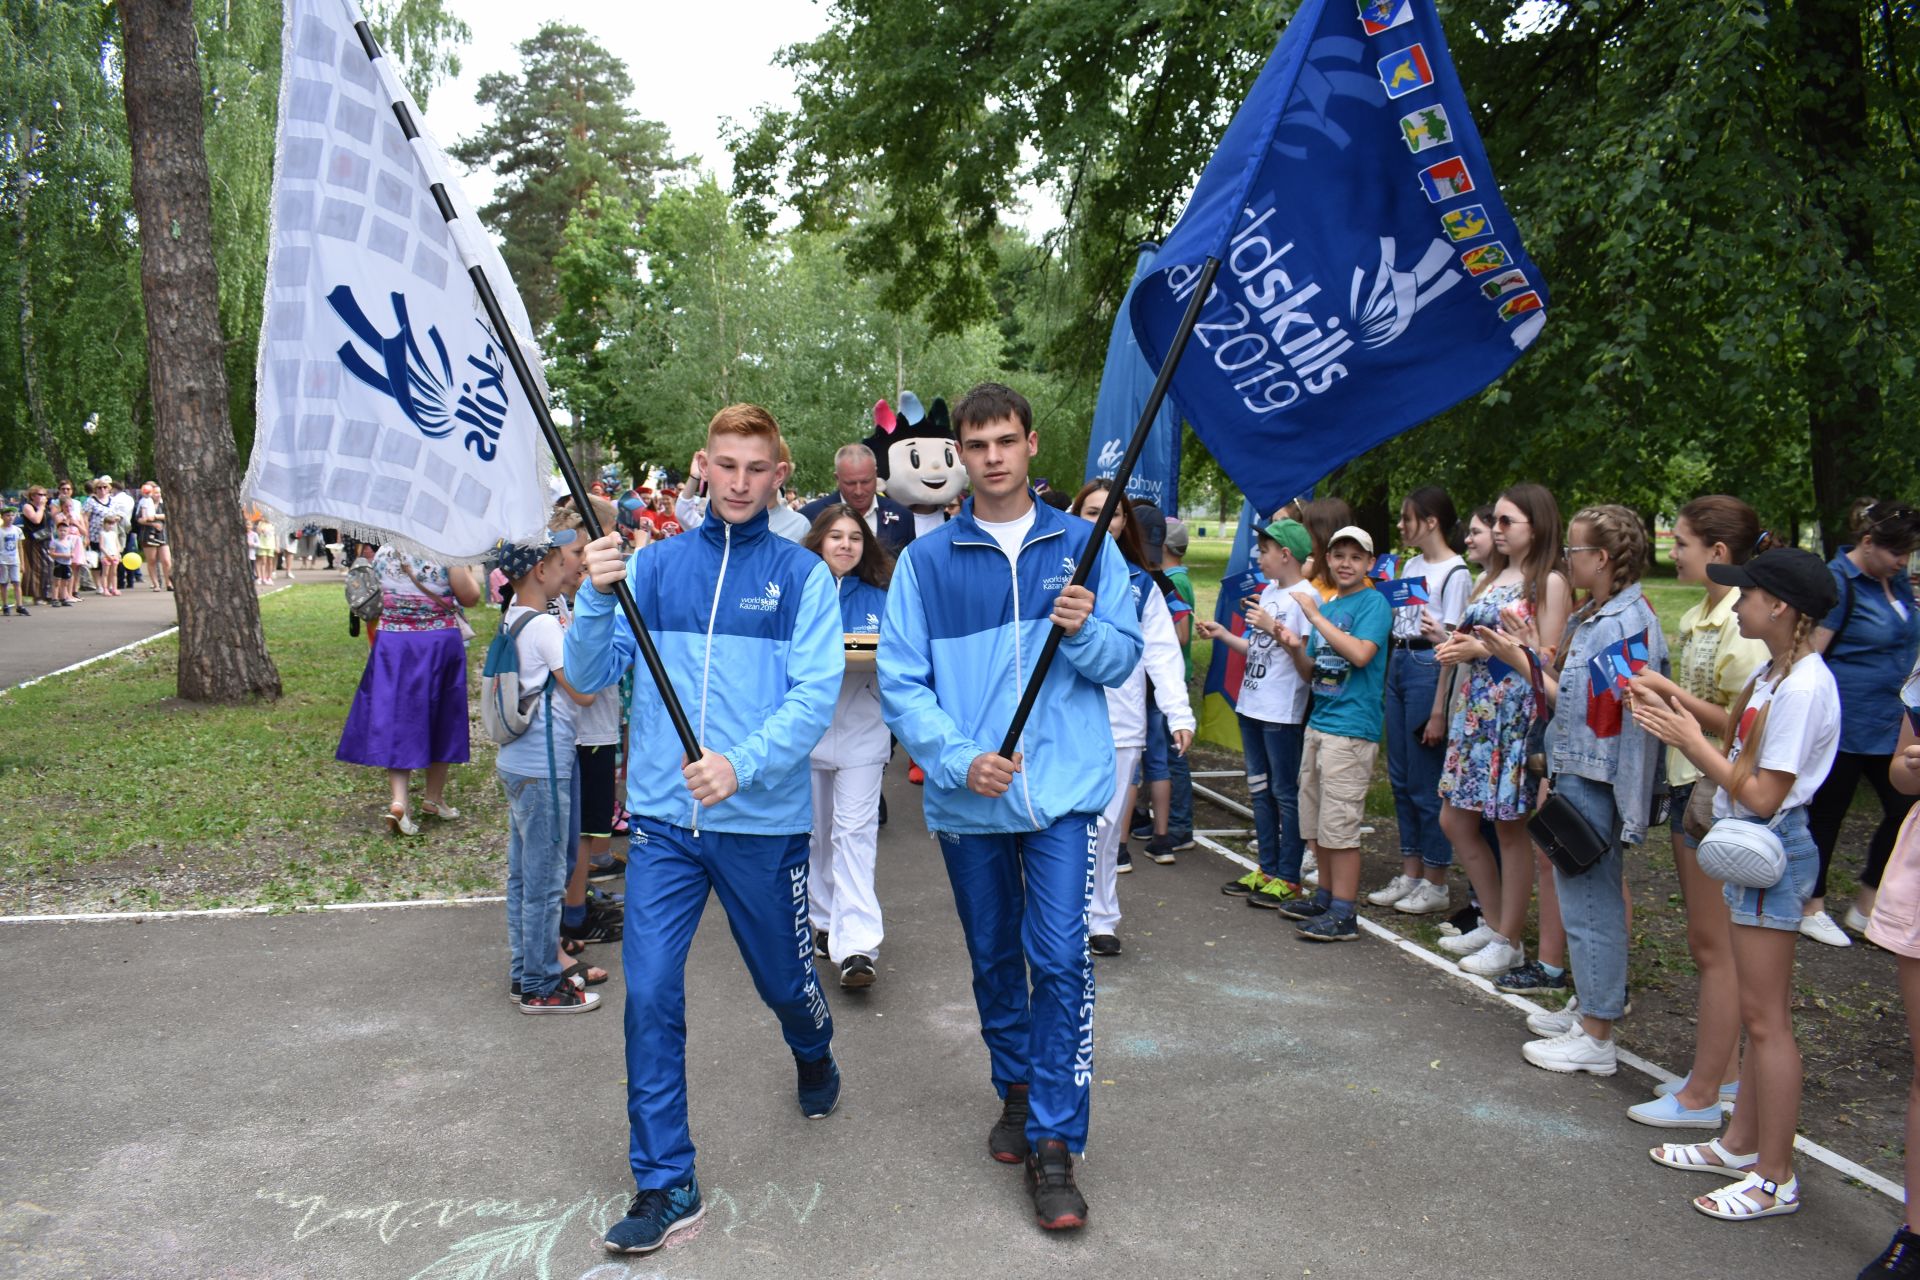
(63, 571)
(595, 766)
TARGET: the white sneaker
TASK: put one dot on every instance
(1425, 899)
(1397, 888)
(1820, 927)
(1572, 1052)
(1856, 920)
(1495, 959)
(1555, 1022)
(1309, 869)
(1468, 943)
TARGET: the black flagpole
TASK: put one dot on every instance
(531, 389)
(1122, 474)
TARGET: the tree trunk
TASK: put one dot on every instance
(223, 651)
(1845, 354)
(36, 405)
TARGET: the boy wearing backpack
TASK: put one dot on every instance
(528, 706)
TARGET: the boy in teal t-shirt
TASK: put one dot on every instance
(1344, 664)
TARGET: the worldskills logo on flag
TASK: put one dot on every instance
(1344, 210)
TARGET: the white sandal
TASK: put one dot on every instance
(1735, 1203)
(1686, 1155)
(444, 812)
(399, 823)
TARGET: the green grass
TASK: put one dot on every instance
(202, 805)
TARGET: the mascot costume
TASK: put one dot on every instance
(917, 459)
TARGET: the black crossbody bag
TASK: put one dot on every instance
(1563, 834)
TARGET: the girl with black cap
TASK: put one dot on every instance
(1782, 735)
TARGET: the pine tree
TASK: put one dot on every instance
(561, 128)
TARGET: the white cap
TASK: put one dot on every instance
(1352, 532)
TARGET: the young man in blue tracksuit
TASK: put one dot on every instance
(967, 613)
(748, 626)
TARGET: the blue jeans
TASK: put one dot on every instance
(536, 878)
(1023, 899)
(1413, 770)
(761, 881)
(1273, 753)
(1165, 762)
(1591, 908)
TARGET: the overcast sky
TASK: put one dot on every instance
(694, 64)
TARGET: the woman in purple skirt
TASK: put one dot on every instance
(410, 711)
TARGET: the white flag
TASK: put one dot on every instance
(387, 407)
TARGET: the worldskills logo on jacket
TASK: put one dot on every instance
(1370, 275)
(1059, 581)
(766, 602)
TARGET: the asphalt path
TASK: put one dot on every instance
(352, 1095)
(49, 639)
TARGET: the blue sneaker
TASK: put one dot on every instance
(654, 1215)
(1327, 927)
(819, 1085)
(1301, 908)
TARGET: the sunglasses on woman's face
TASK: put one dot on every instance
(1507, 522)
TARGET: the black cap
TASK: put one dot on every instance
(1798, 578)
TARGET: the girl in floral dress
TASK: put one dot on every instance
(1485, 773)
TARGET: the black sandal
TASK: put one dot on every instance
(583, 970)
(572, 946)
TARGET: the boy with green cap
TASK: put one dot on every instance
(1272, 709)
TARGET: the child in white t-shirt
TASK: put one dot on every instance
(1416, 703)
(536, 772)
(1272, 709)
(1781, 738)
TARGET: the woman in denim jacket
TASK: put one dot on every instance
(1605, 766)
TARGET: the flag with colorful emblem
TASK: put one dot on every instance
(1370, 276)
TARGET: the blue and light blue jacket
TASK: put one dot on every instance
(964, 626)
(858, 735)
(748, 626)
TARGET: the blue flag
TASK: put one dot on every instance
(1220, 691)
(1370, 277)
(1124, 386)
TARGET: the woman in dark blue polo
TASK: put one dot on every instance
(1870, 641)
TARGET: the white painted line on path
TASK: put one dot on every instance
(210, 913)
(114, 653)
(1832, 1159)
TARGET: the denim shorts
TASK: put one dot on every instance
(1779, 905)
(1677, 812)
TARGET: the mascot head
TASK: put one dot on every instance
(915, 454)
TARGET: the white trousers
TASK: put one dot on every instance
(1104, 915)
(846, 824)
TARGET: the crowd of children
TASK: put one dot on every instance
(1538, 704)
(1536, 728)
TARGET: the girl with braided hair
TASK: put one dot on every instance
(1605, 766)
(1782, 735)
(1712, 663)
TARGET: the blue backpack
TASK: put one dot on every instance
(506, 710)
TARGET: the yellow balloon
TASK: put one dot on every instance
(131, 562)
